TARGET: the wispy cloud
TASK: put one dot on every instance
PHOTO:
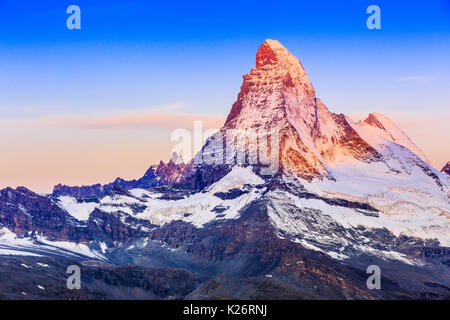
(422, 121)
(126, 121)
(168, 107)
(169, 116)
(414, 79)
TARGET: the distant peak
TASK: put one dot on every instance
(393, 133)
(373, 121)
(176, 158)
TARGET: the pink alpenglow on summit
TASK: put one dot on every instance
(277, 95)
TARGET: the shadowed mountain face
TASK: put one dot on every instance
(446, 168)
(341, 195)
(24, 212)
(45, 278)
(158, 175)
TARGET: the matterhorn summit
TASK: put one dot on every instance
(278, 96)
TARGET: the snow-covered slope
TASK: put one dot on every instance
(381, 125)
(11, 244)
(80, 210)
(198, 208)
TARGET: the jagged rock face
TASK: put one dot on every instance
(83, 191)
(23, 211)
(277, 96)
(199, 177)
(110, 227)
(147, 181)
(446, 168)
(169, 173)
(26, 213)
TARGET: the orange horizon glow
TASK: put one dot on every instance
(41, 153)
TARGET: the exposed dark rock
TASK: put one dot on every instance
(249, 247)
(23, 211)
(231, 194)
(169, 173)
(109, 227)
(220, 209)
(446, 168)
(47, 280)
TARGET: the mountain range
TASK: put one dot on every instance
(288, 200)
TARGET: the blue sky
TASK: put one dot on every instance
(133, 53)
(189, 57)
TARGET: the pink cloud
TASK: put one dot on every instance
(127, 121)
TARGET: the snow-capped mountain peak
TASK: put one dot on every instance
(382, 125)
(277, 96)
(273, 55)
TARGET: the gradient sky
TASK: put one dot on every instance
(85, 106)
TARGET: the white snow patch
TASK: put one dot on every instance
(10, 244)
(424, 224)
(78, 210)
(198, 208)
(78, 248)
(103, 247)
(236, 178)
(420, 224)
(140, 193)
(11, 252)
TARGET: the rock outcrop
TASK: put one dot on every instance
(446, 168)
